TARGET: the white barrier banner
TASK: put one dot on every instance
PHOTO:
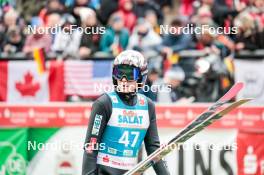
(251, 73)
(211, 152)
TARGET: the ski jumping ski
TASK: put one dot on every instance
(202, 121)
(233, 91)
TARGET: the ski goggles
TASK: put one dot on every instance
(131, 73)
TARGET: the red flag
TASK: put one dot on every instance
(21, 83)
(250, 153)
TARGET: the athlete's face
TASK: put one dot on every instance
(126, 86)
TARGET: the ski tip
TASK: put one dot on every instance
(248, 99)
(237, 86)
(240, 84)
(242, 101)
(234, 105)
(233, 91)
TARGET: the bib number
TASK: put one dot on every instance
(127, 137)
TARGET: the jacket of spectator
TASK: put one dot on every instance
(91, 37)
(151, 17)
(143, 37)
(67, 40)
(14, 41)
(90, 41)
(67, 43)
(125, 10)
(116, 36)
(250, 32)
(37, 41)
(173, 78)
(111, 37)
(251, 42)
(178, 42)
(221, 12)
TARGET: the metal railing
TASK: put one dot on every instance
(244, 54)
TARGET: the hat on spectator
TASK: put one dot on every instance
(143, 21)
(86, 13)
(175, 73)
(115, 17)
(36, 21)
(11, 13)
(67, 18)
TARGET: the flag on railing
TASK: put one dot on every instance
(20, 82)
(87, 78)
(39, 57)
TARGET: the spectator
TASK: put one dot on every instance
(116, 36)
(37, 39)
(220, 11)
(142, 6)
(145, 40)
(258, 11)
(173, 78)
(143, 37)
(108, 7)
(14, 41)
(89, 41)
(176, 41)
(10, 18)
(67, 41)
(82, 4)
(151, 17)
(211, 45)
(53, 6)
(125, 10)
(53, 20)
(203, 16)
(250, 36)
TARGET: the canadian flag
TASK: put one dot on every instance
(20, 82)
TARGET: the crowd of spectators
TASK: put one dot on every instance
(115, 25)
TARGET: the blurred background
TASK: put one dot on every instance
(48, 80)
(204, 62)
